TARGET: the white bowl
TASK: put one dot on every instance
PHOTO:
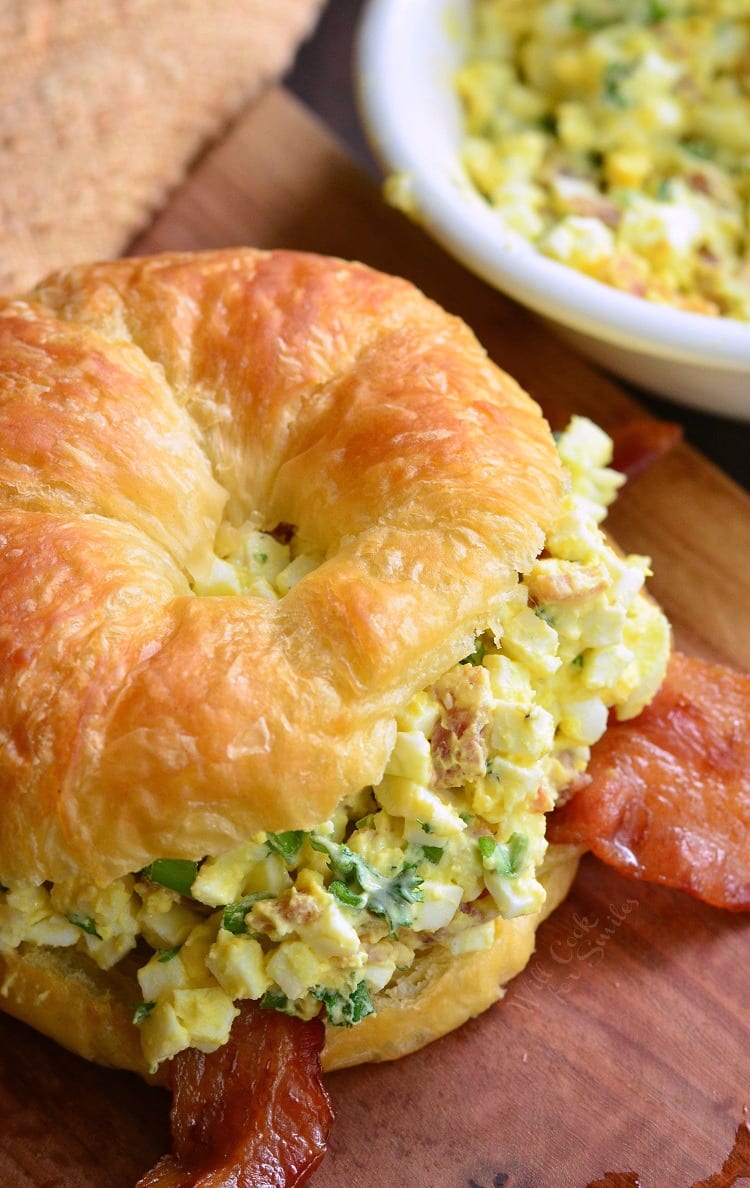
(407, 54)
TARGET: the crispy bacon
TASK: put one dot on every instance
(669, 797)
(641, 442)
(252, 1114)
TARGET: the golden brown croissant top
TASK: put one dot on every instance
(144, 402)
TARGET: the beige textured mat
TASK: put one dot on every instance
(104, 104)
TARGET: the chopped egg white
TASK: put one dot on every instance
(238, 963)
(252, 562)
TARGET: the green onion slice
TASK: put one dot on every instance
(178, 874)
(287, 844)
(506, 858)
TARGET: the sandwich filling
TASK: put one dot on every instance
(451, 837)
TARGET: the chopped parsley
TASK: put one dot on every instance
(233, 916)
(166, 955)
(345, 1010)
(664, 190)
(85, 923)
(582, 19)
(274, 1000)
(703, 149)
(506, 858)
(541, 612)
(615, 75)
(656, 12)
(142, 1011)
(477, 656)
(433, 854)
(389, 896)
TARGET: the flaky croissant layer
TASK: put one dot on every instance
(146, 405)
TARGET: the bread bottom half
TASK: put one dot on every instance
(64, 995)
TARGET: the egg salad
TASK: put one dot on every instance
(615, 136)
(247, 560)
(449, 839)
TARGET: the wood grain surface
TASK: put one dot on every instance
(624, 1045)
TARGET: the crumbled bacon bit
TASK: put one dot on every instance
(458, 744)
(564, 581)
(542, 801)
(459, 752)
(594, 206)
(699, 182)
(299, 908)
(283, 532)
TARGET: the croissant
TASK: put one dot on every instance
(294, 589)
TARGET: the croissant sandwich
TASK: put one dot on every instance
(306, 623)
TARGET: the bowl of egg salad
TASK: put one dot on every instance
(591, 159)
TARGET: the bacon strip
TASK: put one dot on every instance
(642, 442)
(252, 1114)
(669, 797)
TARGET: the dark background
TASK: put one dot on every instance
(323, 77)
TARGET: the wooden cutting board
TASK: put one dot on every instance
(625, 1045)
